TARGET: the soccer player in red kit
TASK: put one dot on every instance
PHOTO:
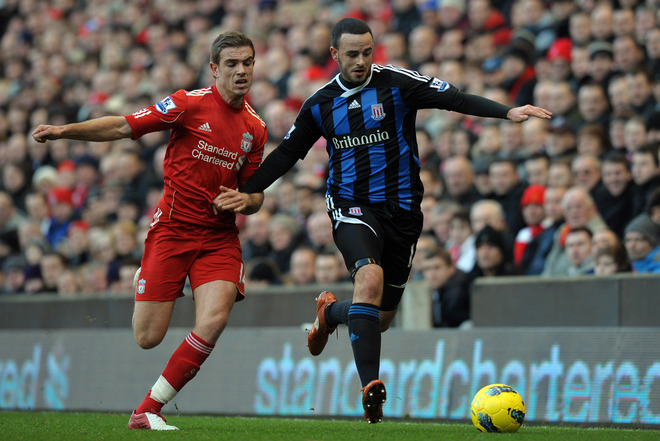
(216, 142)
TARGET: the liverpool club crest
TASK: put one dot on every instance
(246, 144)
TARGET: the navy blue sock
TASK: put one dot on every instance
(337, 313)
(364, 331)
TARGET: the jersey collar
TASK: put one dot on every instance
(348, 91)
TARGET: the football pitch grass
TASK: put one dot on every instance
(53, 426)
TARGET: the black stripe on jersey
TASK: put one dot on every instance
(362, 159)
(392, 156)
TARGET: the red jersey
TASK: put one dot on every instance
(211, 144)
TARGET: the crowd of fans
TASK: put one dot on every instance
(573, 195)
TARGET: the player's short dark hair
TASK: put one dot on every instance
(349, 25)
(229, 39)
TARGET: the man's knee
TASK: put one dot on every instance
(147, 339)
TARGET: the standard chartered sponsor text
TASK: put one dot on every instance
(216, 155)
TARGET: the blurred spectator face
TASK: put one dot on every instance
(562, 98)
(533, 214)
(586, 171)
(600, 66)
(437, 271)
(459, 231)
(552, 203)
(327, 268)
(578, 247)
(579, 28)
(627, 55)
(458, 176)
(487, 212)
(637, 246)
(319, 229)
(644, 168)
(577, 208)
(67, 284)
(543, 94)
(395, 46)
(616, 177)
(623, 22)
(51, 267)
(653, 43)
(489, 257)
(503, 177)
(537, 171)
(640, 88)
(302, 266)
(619, 94)
(603, 240)
(579, 61)
(602, 21)
(421, 44)
(257, 227)
(605, 265)
(592, 102)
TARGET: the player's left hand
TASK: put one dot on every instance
(230, 200)
(520, 114)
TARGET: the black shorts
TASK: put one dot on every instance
(384, 233)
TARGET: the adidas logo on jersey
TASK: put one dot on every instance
(354, 105)
(205, 127)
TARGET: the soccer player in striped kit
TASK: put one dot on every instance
(367, 115)
(216, 141)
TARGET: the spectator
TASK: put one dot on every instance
(537, 169)
(560, 174)
(641, 241)
(491, 255)
(531, 205)
(13, 268)
(458, 174)
(254, 237)
(62, 215)
(10, 219)
(261, 272)
(616, 203)
(538, 249)
(284, 236)
(301, 270)
(587, 174)
(461, 240)
(51, 265)
(508, 190)
(580, 212)
(442, 214)
(611, 260)
(68, 285)
(645, 174)
(578, 251)
(593, 105)
(450, 290)
(328, 268)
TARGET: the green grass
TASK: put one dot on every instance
(53, 426)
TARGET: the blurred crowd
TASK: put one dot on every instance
(573, 195)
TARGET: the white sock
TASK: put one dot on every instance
(162, 391)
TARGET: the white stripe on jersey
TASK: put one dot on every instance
(141, 113)
(199, 92)
(253, 113)
(410, 73)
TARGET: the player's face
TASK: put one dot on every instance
(354, 56)
(233, 74)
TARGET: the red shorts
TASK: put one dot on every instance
(174, 251)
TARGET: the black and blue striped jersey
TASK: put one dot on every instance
(370, 134)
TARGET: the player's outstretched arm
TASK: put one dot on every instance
(520, 114)
(233, 200)
(106, 128)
